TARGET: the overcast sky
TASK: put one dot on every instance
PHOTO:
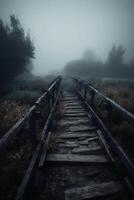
(63, 29)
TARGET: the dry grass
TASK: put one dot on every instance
(124, 133)
(120, 94)
(10, 113)
(14, 164)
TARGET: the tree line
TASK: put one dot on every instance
(113, 67)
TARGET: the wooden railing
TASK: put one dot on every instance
(91, 92)
(88, 93)
(40, 109)
(39, 155)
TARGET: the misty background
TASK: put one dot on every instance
(62, 30)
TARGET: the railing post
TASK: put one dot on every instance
(33, 126)
(80, 86)
(109, 110)
(42, 112)
(48, 105)
(53, 95)
(92, 93)
(85, 91)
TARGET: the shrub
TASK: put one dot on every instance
(10, 113)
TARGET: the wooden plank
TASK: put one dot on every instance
(87, 150)
(87, 141)
(71, 101)
(80, 128)
(76, 158)
(68, 145)
(93, 191)
(74, 107)
(72, 122)
(75, 115)
(74, 112)
(70, 135)
(72, 104)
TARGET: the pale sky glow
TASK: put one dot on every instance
(63, 29)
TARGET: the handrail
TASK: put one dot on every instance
(38, 151)
(30, 115)
(114, 146)
(125, 113)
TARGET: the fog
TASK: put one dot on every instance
(63, 29)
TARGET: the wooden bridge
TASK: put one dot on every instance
(76, 157)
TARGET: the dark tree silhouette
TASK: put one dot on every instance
(115, 61)
(16, 50)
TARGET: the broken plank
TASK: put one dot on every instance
(87, 141)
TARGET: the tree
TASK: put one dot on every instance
(115, 60)
(16, 50)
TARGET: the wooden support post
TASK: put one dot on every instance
(33, 126)
(92, 93)
(53, 97)
(109, 110)
(85, 91)
(80, 86)
(48, 103)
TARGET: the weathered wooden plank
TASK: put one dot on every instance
(73, 122)
(80, 128)
(69, 144)
(76, 115)
(86, 150)
(74, 107)
(69, 107)
(71, 101)
(87, 141)
(92, 191)
(76, 135)
(74, 112)
(76, 158)
(72, 104)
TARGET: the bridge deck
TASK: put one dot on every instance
(77, 166)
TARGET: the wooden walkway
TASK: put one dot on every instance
(77, 166)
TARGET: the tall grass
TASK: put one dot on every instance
(10, 112)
